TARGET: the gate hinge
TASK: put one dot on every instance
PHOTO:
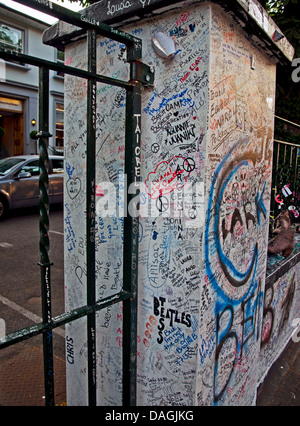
(142, 73)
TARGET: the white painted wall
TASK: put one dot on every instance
(207, 122)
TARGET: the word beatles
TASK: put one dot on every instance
(168, 314)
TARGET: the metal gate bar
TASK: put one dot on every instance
(7, 55)
(131, 243)
(140, 75)
(44, 234)
(133, 44)
(61, 320)
(286, 155)
(91, 217)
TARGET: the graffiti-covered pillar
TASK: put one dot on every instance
(206, 159)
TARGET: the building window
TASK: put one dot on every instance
(59, 128)
(11, 38)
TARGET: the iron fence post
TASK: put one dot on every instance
(91, 217)
(131, 243)
(140, 75)
(45, 264)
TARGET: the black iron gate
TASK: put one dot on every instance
(140, 75)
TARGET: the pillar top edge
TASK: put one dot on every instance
(249, 14)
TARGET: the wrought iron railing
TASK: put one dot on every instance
(140, 75)
(286, 173)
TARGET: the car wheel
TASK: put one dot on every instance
(3, 208)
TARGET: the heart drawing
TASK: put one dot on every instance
(73, 187)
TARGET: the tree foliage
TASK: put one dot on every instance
(286, 14)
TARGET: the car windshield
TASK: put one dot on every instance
(9, 163)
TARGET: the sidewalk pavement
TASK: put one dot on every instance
(22, 376)
(22, 380)
(281, 387)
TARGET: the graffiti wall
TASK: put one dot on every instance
(280, 311)
(238, 174)
(206, 132)
(171, 211)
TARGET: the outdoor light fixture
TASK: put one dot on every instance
(33, 122)
(163, 45)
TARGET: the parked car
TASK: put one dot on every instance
(19, 182)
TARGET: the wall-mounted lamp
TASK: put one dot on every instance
(163, 45)
(33, 122)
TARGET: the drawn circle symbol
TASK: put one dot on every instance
(193, 213)
(234, 279)
(162, 204)
(189, 165)
(155, 148)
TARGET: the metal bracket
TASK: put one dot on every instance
(142, 73)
